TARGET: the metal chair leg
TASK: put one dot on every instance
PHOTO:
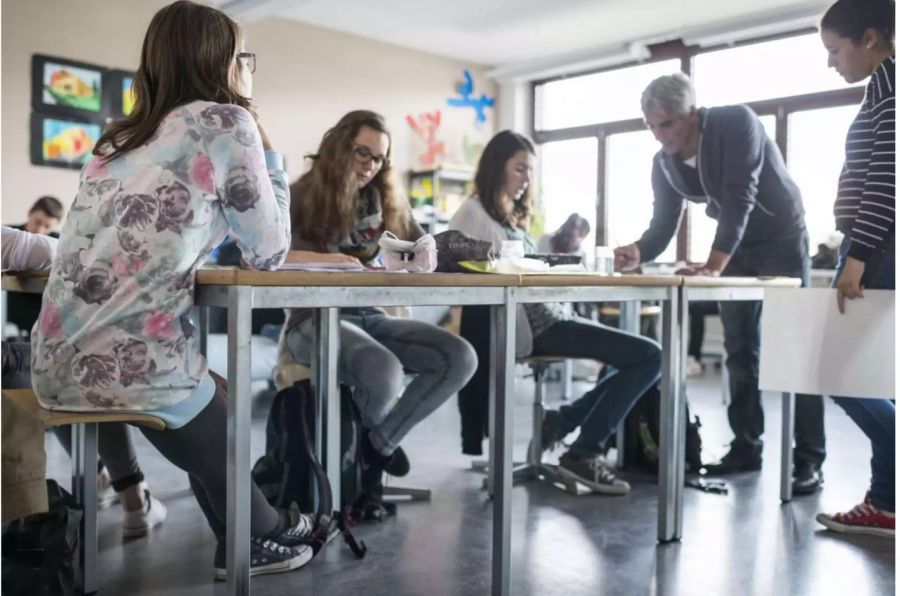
(84, 488)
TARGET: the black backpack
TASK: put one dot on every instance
(289, 474)
(284, 473)
(642, 435)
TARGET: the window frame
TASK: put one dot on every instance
(780, 107)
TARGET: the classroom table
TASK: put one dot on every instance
(240, 291)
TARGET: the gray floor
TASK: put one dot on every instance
(745, 543)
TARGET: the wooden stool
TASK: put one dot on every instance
(84, 466)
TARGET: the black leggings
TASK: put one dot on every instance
(200, 448)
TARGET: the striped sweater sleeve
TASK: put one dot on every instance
(875, 218)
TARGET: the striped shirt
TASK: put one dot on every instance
(864, 209)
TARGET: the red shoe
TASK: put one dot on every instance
(865, 518)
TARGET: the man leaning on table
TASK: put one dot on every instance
(722, 157)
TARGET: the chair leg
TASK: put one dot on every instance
(399, 493)
(537, 417)
(84, 488)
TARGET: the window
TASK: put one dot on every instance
(568, 185)
(767, 70)
(629, 194)
(601, 97)
(703, 227)
(815, 158)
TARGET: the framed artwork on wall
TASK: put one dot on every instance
(67, 88)
(120, 95)
(62, 141)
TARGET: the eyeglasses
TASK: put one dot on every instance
(248, 59)
(362, 155)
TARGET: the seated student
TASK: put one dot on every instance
(44, 217)
(342, 205)
(567, 239)
(189, 166)
(500, 211)
(121, 479)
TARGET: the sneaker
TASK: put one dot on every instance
(106, 494)
(140, 523)
(693, 368)
(593, 473)
(865, 518)
(266, 556)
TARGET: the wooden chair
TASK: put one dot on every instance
(84, 466)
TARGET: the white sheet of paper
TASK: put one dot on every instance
(809, 347)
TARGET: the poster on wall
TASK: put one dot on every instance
(66, 87)
(62, 142)
(120, 93)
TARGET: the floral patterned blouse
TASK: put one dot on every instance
(114, 330)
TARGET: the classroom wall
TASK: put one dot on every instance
(306, 79)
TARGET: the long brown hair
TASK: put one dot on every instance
(328, 192)
(490, 178)
(187, 55)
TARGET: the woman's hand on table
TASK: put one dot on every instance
(849, 284)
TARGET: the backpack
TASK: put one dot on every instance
(285, 474)
(642, 435)
(289, 474)
(40, 550)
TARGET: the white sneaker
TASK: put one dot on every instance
(140, 523)
(693, 368)
(106, 494)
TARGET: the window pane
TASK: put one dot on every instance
(628, 190)
(568, 185)
(815, 158)
(790, 66)
(601, 97)
(703, 228)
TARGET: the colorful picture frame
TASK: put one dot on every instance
(62, 141)
(119, 93)
(68, 88)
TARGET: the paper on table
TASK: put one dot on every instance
(328, 266)
(809, 347)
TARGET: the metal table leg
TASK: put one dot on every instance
(787, 446)
(328, 397)
(84, 488)
(240, 304)
(503, 338)
(203, 325)
(671, 419)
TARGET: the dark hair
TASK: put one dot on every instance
(852, 18)
(567, 239)
(187, 55)
(489, 179)
(324, 198)
(49, 205)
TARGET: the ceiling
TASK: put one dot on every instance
(511, 32)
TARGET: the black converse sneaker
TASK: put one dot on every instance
(287, 550)
(593, 473)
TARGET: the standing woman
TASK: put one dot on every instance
(859, 37)
(500, 211)
(166, 185)
(343, 205)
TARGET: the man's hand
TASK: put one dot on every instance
(849, 286)
(308, 256)
(627, 257)
(713, 267)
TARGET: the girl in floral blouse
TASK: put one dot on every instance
(166, 185)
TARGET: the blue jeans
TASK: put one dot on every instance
(875, 417)
(633, 366)
(741, 324)
(375, 350)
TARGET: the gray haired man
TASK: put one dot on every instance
(722, 157)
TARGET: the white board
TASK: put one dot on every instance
(809, 347)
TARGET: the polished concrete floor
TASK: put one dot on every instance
(745, 543)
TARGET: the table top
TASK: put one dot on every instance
(33, 281)
(740, 282)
